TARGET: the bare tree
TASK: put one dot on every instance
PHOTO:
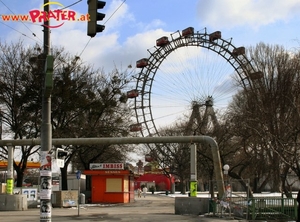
(90, 104)
(20, 82)
(85, 102)
(104, 114)
(267, 116)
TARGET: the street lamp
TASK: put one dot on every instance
(227, 186)
(226, 168)
(225, 172)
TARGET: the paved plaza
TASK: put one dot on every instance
(150, 209)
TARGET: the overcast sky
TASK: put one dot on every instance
(132, 26)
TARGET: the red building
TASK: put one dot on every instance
(162, 182)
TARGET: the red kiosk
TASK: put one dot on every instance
(110, 183)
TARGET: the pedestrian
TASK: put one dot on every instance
(298, 200)
(139, 191)
(145, 189)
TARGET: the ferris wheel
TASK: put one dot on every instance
(188, 75)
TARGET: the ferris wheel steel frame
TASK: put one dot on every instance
(224, 48)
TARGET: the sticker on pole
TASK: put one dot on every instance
(60, 163)
(46, 164)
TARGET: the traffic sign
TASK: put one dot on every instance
(78, 174)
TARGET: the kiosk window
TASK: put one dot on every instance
(113, 185)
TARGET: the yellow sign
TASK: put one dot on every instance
(9, 186)
(193, 188)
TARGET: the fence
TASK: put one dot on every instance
(273, 208)
(237, 203)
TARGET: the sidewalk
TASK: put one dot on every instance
(150, 209)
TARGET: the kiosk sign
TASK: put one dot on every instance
(107, 166)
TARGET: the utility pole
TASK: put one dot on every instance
(46, 128)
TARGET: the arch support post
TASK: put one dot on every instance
(135, 140)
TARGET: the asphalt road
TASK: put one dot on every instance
(152, 208)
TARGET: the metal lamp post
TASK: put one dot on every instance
(227, 187)
(226, 169)
(225, 172)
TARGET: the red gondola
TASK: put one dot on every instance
(142, 63)
(132, 93)
(238, 51)
(214, 36)
(162, 41)
(188, 31)
(135, 127)
(148, 158)
(256, 75)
